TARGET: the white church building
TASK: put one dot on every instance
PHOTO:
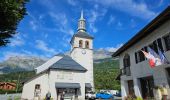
(63, 74)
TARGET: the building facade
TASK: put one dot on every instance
(137, 77)
(64, 76)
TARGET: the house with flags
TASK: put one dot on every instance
(144, 59)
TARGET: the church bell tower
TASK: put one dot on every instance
(82, 49)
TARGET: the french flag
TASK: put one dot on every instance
(164, 60)
(153, 57)
(150, 57)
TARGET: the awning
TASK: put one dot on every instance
(88, 85)
(67, 85)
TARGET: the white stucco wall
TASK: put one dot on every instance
(47, 83)
(29, 87)
(142, 69)
(67, 77)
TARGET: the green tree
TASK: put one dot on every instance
(11, 13)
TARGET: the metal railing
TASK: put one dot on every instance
(126, 71)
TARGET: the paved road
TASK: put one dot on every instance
(115, 98)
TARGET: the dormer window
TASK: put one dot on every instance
(80, 43)
(87, 44)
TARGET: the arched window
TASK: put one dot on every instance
(87, 44)
(126, 60)
(80, 43)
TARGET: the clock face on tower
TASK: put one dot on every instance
(83, 51)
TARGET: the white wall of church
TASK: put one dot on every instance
(143, 69)
(47, 83)
(29, 87)
(67, 77)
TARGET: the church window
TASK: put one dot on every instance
(80, 43)
(87, 44)
(37, 86)
(37, 90)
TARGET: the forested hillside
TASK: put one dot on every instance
(105, 74)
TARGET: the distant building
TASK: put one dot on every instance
(7, 86)
(137, 77)
(64, 76)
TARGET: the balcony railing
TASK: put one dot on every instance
(126, 71)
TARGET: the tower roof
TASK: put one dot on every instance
(82, 17)
(83, 35)
(81, 29)
(81, 23)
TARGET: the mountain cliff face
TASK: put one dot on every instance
(28, 63)
(20, 63)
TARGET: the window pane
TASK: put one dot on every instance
(136, 58)
(145, 49)
(160, 44)
(167, 42)
(155, 48)
(141, 55)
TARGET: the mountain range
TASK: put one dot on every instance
(28, 63)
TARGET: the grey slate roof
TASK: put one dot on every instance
(67, 85)
(67, 63)
(83, 35)
(60, 54)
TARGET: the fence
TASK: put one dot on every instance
(15, 96)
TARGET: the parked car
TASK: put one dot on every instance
(103, 95)
(118, 94)
(90, 95)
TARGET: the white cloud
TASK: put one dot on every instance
(62, 23)
(12, 54)
(17, 41)
(95, 15)
(72, 2)
(59, 18)
(111, 20)
(24, 53)
(43, 46)
(131, 7)
(50, 4)
(113, 49)
(33, 25)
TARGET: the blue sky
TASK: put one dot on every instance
(50, 24)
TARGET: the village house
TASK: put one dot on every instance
(64, 76)
(7, 86)
(137, 77)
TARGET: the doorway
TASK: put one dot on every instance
(130, 87)
(67, 94)
(147, 84)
